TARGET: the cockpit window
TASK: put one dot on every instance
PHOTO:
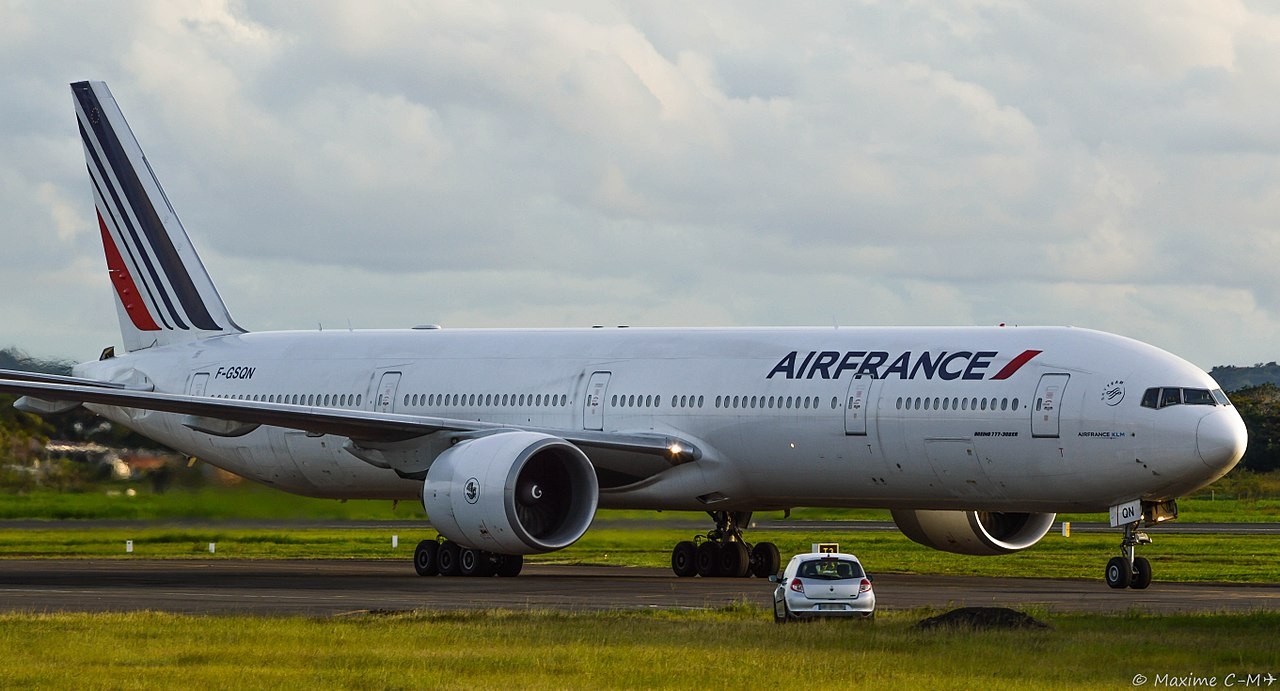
(1163, 397)
(1197, 397)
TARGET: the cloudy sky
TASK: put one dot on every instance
(385, 164)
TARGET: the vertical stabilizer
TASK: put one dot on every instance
(163, 293)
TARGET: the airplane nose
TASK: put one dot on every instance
(1221, 438)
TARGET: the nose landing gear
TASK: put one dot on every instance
(724, 552)
(1129, 570)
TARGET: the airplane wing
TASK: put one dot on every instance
(230, 418)
(17, 375)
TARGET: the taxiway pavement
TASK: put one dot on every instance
(333, 587)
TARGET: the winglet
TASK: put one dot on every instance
(163, 293)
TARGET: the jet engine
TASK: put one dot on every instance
(981, 533)
(512, 493)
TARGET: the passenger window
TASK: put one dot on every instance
(1170, 396)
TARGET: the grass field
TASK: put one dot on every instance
(1247, 500)
(1175, 557)
(735, 647)
(738, 647)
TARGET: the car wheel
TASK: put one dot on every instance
(1141, 574)
(683, 559)
(1119, 573)
(708, 559)
(780, 614)
(424, 558)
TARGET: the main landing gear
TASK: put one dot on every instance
(723, 551)
(448, 558)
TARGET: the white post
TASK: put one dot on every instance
(211, 548)
(128, 546)
(395, 541)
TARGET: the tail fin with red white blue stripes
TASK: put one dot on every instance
(163, 293)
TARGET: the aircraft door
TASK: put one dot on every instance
(1047, 406)
(387, 386)
(593, 403)
(198, 383)
(859, 405)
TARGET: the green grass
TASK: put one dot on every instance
(243, 502)
(737, 647)
(109, 501)
(1175, 557)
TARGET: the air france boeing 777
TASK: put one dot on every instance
(973, 437)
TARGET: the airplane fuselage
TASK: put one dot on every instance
(993, 419)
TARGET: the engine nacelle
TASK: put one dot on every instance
(981, 533)
(512, 493)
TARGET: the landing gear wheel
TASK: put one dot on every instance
(707, 560)
(1119, 573)
(684, 559)
(425, 558)
(447, 557)
(1129, 570)
(735, 560)
(473, 562)
(1141, 574)
(509, 565)
(765, 560)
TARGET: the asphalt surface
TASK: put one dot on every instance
(332, 588)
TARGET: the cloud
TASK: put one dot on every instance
(573, 163)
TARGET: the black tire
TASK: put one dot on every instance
(1141, 574)
(425, 558)
(474, 562)
(1119, 573)
(509, 565)
(735, 560)
(684, 559)
(780, 617)
(707, 559)
(447, 556)
(765, 560)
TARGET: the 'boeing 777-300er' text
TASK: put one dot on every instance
(511, 439)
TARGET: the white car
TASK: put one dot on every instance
(823, 585)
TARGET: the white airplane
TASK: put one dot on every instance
(973, 437)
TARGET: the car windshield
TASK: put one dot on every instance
(831, 569)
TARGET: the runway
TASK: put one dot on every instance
(330, 588)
